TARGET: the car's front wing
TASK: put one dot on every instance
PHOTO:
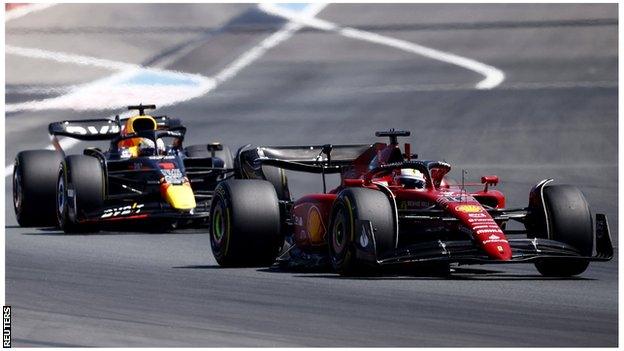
(466, 252)
(137, 211)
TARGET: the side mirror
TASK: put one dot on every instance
(489, 180)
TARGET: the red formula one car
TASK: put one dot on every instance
(393, 209)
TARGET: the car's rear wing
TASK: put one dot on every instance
(86, 129)
(311, 159)
(101, 128)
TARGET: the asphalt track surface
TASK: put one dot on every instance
(555, 115)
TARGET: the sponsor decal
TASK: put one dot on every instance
(414, 204)
(173, 176)
(122, 211)
(481, 226)
(468, 208)
(483, 231)
(92, 130)
(315, 226)
(478, 215)
(445, 200)
(494, 239)
(481, 220)
(363, 237)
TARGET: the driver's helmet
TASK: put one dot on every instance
(146, 147)
(132, 147)
(411, 178)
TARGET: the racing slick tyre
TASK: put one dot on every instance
(569, 221)
(204, 150)
(354, 204)
(80, 190)
(34, 187)
(245, 223)
(277, 177)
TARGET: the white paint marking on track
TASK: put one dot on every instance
(24, 10)
(112, 92)
(225, 74)
(69, 58)
(276, 38)
(493, 76)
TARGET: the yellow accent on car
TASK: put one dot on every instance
(180, 197)
(140, 123)
(136, 124)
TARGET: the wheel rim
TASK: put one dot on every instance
(339, 232)
(17, 190)
(218, 224)
(60, 197)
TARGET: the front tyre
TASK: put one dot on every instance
(245, 223)
(80, 190)
(354, 204)
(569, 221)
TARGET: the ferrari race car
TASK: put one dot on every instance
(145, 174)
(392, 209)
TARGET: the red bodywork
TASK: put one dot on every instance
(312, 213)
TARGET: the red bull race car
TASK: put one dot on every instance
(393, 209)
(146, 173)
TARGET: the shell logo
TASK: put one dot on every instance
(315, 226)
(468, 208)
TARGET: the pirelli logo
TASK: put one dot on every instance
(6, 327)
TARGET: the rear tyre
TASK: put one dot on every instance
(34, 187)
(569, 221)
(277, 177)
(359, 204)
(80, 190)
(245, 223)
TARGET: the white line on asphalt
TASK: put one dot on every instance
(257, 51)
(24, 10)
(493, 76)
(226, 73)
(59, 89)
(111, 92)
(69, 58)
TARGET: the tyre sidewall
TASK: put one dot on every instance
(34, 187)
(84, 177)
(220, 211)
(251, 234)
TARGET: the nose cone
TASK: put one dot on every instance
(481, 227)
(498, 250)
(180, 197)
(485, 231)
